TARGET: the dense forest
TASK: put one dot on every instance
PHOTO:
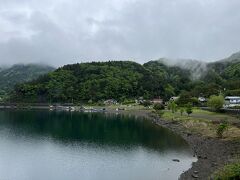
(124, 80)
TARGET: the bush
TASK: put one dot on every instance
(172, 106)
(229, 172)
(221, 128)
(127, 102)
(158, 106)
(181, 111)
(184, 98)
(159, 113)
(146, 103)
(216, 102)
(189, 109)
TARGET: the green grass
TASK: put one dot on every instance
(228, 172)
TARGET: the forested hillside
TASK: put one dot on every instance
(20, 73)
(223, 76)
(124, 80)
(97, 81)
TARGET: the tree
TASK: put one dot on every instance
(172, 106)
(158, 106)
(181, 111)
(216, 102)
(189, 109)
(184, 98)
(146, 103)
(221, 128)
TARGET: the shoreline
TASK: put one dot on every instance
(212, 153)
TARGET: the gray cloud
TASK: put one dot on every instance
(67, 31)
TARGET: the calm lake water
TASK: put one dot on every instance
(42, 145)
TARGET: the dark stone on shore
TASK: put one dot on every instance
(194, 176)
(195, 172)
(176, 160)
(214, 164)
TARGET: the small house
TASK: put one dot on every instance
(232, 101)
(174, 98)
(202, 99)
(157, 101)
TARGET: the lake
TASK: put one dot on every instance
(37, 145)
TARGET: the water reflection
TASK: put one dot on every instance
(104, 129)
(61, 145)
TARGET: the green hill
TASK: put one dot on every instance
(124, 80)
(97, 81)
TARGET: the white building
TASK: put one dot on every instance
(174, 98)
(232, 101)
(202, 99)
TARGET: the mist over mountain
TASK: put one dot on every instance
(19, 73)
(233, 57)
(199, 68)
(123, 80)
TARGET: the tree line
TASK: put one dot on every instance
(124, 80)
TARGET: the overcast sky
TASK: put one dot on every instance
(59, 32)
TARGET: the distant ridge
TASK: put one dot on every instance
(127, 80)
(19, 73)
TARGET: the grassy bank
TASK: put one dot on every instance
(228, 172)
(206, 123)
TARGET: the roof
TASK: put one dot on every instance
(232, 97)
(157, 99)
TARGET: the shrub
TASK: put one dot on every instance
(172, 106)
(90, 101)
(221, 128)
(229, 172)
(189, 109)
(181, 111)
(216, 102)
(160, 113)
(158, 106)
(127, 102)
(146, 103)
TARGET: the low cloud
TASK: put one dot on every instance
(59, 32)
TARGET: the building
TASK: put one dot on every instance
(156, 101)
(174, 98)
(232, 101)
(202, 99)
(140, 100)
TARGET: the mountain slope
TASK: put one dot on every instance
(20, 73)
(123, 80)
(98, 81)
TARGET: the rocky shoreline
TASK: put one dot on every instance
(212, 153)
